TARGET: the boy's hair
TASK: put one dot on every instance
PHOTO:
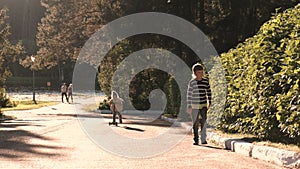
(196, 67)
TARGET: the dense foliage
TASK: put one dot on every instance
(263, 76)
(260, 71)
(8, 52)
(225, 23)
(67, 25)
(61, 33)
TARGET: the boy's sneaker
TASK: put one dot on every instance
(204, 142)
(196, 143)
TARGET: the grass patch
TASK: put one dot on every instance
(256, 141)
(169, 115)
(90, 107)
(29, 104)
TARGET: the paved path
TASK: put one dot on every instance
(53, 137)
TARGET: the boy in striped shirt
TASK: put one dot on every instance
(198, 102)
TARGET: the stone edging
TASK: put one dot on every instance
(284, 158)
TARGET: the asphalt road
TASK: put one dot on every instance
(63, 136)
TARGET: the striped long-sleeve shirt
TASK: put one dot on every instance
(198, 93)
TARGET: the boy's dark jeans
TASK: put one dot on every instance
(114, 116)
(62, 97)
(199, 117)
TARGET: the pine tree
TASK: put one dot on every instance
(62, 32)
(8, 54)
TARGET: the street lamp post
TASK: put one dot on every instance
(33, 81)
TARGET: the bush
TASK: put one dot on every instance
(263, 81)
(104, 105)
(172, 92)
(4, 99)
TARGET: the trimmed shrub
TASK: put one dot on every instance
(263, 81)
(104, 105)
(4, 99)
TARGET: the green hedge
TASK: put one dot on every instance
(263, 81)
(4, 100)
(104, 105)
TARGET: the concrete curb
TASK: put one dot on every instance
(283, 158)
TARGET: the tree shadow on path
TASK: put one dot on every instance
(132, 120)
(16, 143)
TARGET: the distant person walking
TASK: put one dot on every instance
(198, 102)
(63, 90)
(116, 106)
(70, 92)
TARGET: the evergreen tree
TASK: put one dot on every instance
(62, 32)
(8, 54)
(68, 24)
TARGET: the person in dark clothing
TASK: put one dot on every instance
(63, 90)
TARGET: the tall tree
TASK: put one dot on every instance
(68, 24)
(62, 32)
(8, 52)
